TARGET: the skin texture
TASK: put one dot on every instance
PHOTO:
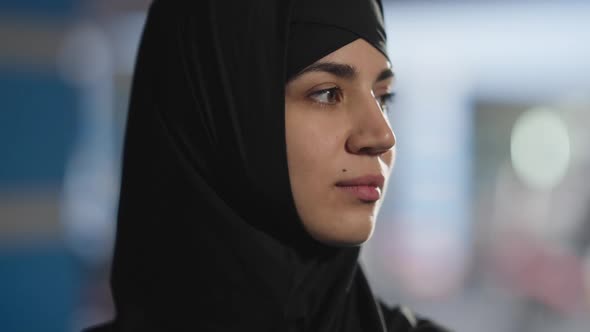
(337, 135)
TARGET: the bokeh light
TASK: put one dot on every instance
(540, 148)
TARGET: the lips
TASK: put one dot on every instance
(367, 180)
(366, 188)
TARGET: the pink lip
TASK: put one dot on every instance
(366, 188)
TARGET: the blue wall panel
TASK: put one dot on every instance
(39, 289)
(37, 127)
(40, 7)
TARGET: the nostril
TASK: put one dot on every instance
(373, 151)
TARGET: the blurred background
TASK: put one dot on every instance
(486, 224)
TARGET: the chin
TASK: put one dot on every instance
(345, 234)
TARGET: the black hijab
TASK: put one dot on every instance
(208, 237)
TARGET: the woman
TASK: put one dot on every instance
(256, 157)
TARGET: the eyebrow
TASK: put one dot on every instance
(341, 70)
(336, 69)
(385, 74)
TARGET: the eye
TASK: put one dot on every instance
(329, 96)
(385, 101)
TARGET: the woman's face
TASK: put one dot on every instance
(340, 145)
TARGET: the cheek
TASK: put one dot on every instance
(311, 152)
(314, 148)
(316, 155)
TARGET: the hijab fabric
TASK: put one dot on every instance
(208, 237)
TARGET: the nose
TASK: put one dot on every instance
(371, 134)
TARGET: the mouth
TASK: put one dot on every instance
(366, 188)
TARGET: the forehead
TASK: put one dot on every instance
(356, 61)
(366, 60)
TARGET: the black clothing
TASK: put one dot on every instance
(208, 237)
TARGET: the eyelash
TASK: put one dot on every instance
(335, 90)
(384, 100)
